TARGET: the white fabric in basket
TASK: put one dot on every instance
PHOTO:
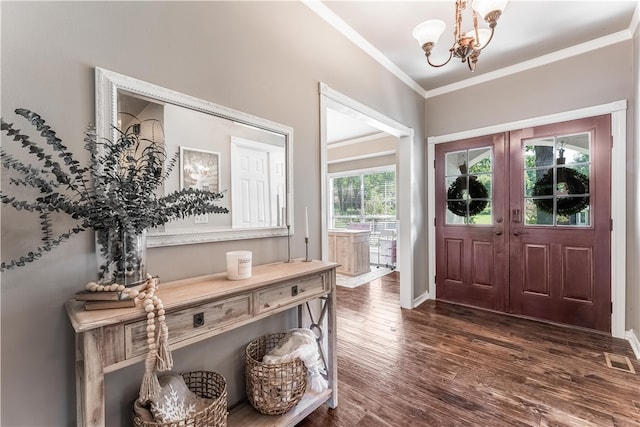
(300, 343)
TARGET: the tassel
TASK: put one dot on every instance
(150, 387)
(165, 360)
(317, 382)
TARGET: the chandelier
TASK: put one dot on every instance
(466, 46)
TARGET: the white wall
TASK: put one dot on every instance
(264, 58)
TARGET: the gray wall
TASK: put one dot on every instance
(264, 58)
(590, 79)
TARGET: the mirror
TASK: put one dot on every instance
(218, 148)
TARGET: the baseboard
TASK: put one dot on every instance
(635, 343)
(422, 298)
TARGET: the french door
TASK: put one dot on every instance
(523, 222)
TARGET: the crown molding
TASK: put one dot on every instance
(559, 55)
(335, 21)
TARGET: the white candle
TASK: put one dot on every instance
(288, 214)
(306, 222)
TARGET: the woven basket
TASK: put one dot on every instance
(273, 389)
(209, 385)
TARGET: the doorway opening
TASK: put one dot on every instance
(332, 101)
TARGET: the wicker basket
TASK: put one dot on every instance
(273, 389)
(209, 385)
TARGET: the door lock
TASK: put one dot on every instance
(515, 215)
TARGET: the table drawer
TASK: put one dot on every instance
(190, 322)
(295, 290)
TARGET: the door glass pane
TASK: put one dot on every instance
(453, 162)
(538, 153)
(556, 180)
(536, 216)
(483, 217)
(468, 183)
(480, 160)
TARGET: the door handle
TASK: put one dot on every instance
(499, 233)
(515, 215)
(516, 232)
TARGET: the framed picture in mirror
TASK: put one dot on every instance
(199, 169)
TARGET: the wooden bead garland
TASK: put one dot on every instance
(159, 356)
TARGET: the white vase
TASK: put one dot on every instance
(122, 257)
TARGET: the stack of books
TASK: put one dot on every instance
(104, 300)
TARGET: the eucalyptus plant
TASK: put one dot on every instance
(117, 190)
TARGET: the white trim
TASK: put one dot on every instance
(359, 140)
(369, 116)
(407, 235)
(618, 180)
(635, 343)
(559, 55)
(336, 22)
(619, 218)
(420, 299)
(633, 25)
(363, 157)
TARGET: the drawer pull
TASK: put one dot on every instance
(294, 290)
(198, 320)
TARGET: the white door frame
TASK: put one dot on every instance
(618, 111)
(407, 236)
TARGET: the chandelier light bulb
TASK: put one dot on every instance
(485, 7)
(429, 31)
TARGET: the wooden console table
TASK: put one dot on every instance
(199, 308)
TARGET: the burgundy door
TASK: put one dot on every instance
(560, 268)
(523, 222)
(471, 190)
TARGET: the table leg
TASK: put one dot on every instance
(90, 379)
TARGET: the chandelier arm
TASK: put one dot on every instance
(441, 65)
(493, 29)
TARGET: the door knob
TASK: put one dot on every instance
(516, 232)
(499, 233)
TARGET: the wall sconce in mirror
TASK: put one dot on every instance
(221, 149)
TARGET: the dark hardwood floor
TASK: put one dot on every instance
(446, 365)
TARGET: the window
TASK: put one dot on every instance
(364, 197)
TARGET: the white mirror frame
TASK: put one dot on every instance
(108, 83)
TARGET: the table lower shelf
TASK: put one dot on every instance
(246, 415)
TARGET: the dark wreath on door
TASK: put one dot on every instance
(468, 178)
